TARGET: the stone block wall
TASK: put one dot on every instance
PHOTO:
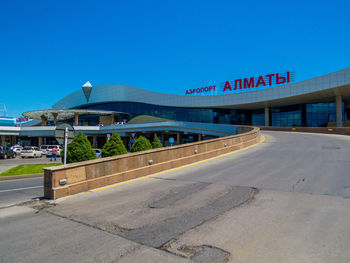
(93, 174)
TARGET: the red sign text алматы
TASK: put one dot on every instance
(261, 81)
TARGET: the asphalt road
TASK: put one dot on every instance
(285, 200)
(20, 190)
(289, 162)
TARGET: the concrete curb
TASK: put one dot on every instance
(23, 176)
(315, 130)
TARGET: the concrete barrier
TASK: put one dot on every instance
(84, 176)
(326, 130)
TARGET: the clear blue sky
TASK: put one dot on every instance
(49, 49)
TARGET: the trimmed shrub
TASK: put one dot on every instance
(141, 144)
(156, 143)
(79, 150)
(114, 146)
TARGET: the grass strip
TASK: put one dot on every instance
(27, 169)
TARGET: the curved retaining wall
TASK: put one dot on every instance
(327, 130)
(84, 176)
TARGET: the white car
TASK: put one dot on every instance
(16, 146)
(31, 151)
(98, 152)
(49, 150)
(43, 149)
(17, 150)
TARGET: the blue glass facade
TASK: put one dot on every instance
(310, 115)
(286, 116)
(258, 117)
(316, 115)
(319, 114)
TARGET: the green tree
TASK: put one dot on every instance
(114, 146)
(79, 150)
(141, 144)
(156, 143)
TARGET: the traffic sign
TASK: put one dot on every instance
(171, 140)
(60, 130)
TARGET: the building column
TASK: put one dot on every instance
(40, 140)
(54, 118)
(267, 116)
(94, 141)
(339, 110)
(76, 119)
(3, 140)
(178, 138)
(163, 138)
(43, 120)
(13, 140)
(199, 137)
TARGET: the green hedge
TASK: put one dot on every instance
(114, 146)
(141, 144)
(156, 143)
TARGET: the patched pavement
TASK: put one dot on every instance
(161, 211)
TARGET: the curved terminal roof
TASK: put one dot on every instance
(65, 114)
(320, 89)
(126, 129)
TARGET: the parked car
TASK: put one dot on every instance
(43, 149)
(16, 146)
(6, 152)
(31, 151)
(98, 152)
(49, 150)
(17, 149)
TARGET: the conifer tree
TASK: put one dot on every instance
(156, 143)
(114, 146)
(79, 150)
(141, 144)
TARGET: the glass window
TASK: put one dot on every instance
(315, 114)
(286, 116)
(319, 114)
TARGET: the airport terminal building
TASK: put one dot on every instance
(97, 111)
(317, 102)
